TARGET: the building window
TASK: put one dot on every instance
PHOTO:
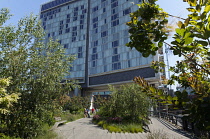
(115, 43)
(115, 4)
(116, 66)
(81, 27)
(95, 25)
(79, 52)
(67, 30)
(115, 23)
(94, 50)
(116, 16)
(95, 20)
(66, 45)
(127, 11)
(104, 10)
(115, 58)
(74, 28)
(103, 34)
(76, 9)
(95, 9)
(94, 57)
(73, 39)
(74, 18)
(67, 20)
(82, 6)
(82, 16)
(114, 51)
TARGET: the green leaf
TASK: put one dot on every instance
(207, 8)
(175, 98)
(176, 102)
(198, 8)
(169, 98)
(180, 32)
(188, 40)
(204, 43)
(186, 22)
(191, 9)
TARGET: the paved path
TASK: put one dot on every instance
(84, 129)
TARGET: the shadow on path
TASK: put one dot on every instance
(175, 129)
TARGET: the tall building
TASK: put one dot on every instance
(95, 31)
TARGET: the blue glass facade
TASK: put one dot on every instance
(94, 31)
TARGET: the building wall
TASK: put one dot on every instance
(95, 32)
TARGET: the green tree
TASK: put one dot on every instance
(6, 100)
(148, 29)
(36, 70)
(127, 102)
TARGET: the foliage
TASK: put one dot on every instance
(191, 41)
(6, 100)
(76, 103)
(118, 128)
(127, 102)
(127, 105)
(72, 117)
(36, 69)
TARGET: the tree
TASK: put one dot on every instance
(36, 70)
(148, 29)
(127, 102)
(6, 100)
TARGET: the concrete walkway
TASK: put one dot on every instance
(85, 129)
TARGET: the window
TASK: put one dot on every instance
(113, 5)
(115, 43)
(79, 52)
(95, 19)
(95, 9)
(103, 34)
(67, 30)
(127, 11)
(66, 45)
(81, 21)
(115, 58)
(60, 32)
(68, 16)
(74, 33)
(104, 10)
(82, 6)
(61, 22)
(94, 50)
(113, 1)
(74, 28)
(114, 51)
(67, 20)
(116, 66)
(73, 39)
(82, 16)
(93, 63)
(84, 11)
(115, 23)
(75, 18)
(95, 25)
(94, 56)
(81, 27)
(76, 9)
(95, 43)
(67, 25)
(115, 16)
(75, 13)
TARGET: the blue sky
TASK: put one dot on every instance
(22, 8)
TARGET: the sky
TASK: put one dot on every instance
(22, 8)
